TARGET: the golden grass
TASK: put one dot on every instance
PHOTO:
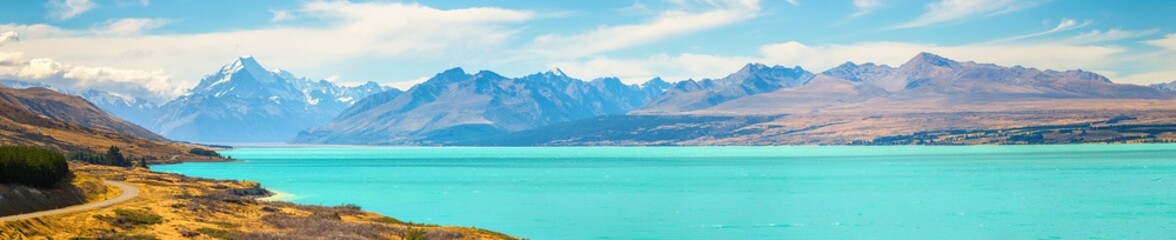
(198, 208)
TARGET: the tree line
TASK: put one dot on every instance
(32, 166)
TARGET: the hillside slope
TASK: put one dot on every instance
(42, 117)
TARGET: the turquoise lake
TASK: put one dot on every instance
(901, 192)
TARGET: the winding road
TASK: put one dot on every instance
(128, 192)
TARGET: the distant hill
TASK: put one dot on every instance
(928, 100)
(455, 106)
(244, 102)
(762, 105)
(925, 82)
(42, 117)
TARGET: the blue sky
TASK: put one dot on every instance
(160, 48)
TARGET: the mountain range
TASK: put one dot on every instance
(454, 106)
(757, 104)
(241, 103)
(244, 102)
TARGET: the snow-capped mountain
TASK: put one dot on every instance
(458, 106)
(750, 80)
(17, 84)
(134, 109)
(244, 102)
(1166, 87)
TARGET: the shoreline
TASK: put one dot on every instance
(277, 196)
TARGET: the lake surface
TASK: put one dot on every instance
(904, 192)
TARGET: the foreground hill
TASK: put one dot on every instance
(133, 109)
(171, 206)
(244, 102)
(454, 106)
(42, 117)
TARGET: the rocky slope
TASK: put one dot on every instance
(457, 106)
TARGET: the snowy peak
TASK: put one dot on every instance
(859, 73)
(1165, 87)
(759, 70)
(556, 72)
(244, 102)
(929, 59)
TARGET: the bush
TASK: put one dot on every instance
(413, 234)
(215, 233)
(138, 217)
(203, 152)
(32, 166)
(113, 157)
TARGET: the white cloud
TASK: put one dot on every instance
(9, 36)
(954, 10)
(1064, 25)
(793, 2)
(405, 85)
(129, 26)
(1099, 36)
(1168, 42)
(66, 9)
(667, 24)
(36, 31)
(281, 15)
(351, 33)
(152, 85)
(1148, 78)
(865, 7)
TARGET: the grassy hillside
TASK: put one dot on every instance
(172, 206)
(43, 118)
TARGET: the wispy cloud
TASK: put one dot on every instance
(793, 2)
(944, 11)
(1168, 42)
(865, 7)
(9, 36)
(1100, 36)
(281, 15)
(129, 26)
(66, 9)
(667, 24)
(1064, 25)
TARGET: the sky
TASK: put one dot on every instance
(158, 49)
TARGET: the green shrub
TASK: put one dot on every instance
(215, 233)
(32, 166)
(413, 234)
(204, 152)
(113, 157)
(138, 217)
